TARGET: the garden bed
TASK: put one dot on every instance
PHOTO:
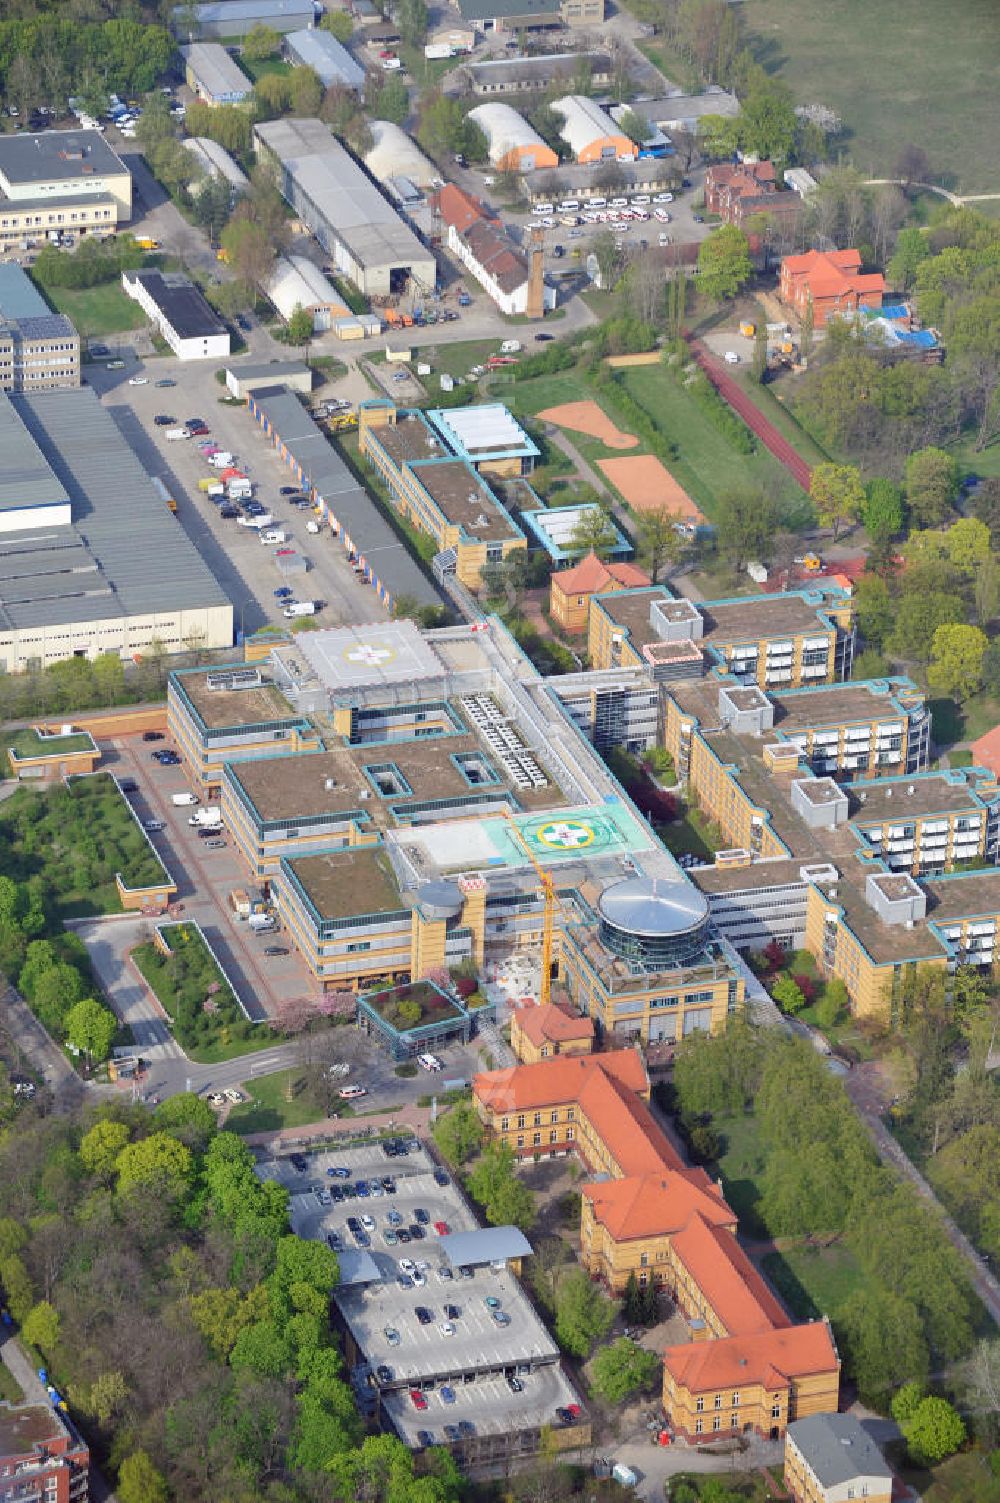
(191, 987)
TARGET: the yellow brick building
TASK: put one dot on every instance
(216, 715)
(441, 492)
(543, 1032)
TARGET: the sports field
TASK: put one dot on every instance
(587, 417)
(898, 72)
(647, 485)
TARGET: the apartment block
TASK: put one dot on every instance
(777, 641)
(42, 1458)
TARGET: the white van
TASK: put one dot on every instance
(299, 608)
(568, 205)
(274, 535)
(429, 1062)
(542, 208)
(256, 523)
(598, 203)
(510, 347)
(732, 358)
(222, 460)
(261, 923)
(184, 800)
(174, 435)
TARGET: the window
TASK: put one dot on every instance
(553, 1135)
(699, 1426)
(644, 1260)
(736, 1401)
(536, 1139)
(520, 1140)
(504, 1124)
(571, 1114)
(717, 1422)
(553, 1116)
(570, 1134)
(699, 1403)
(718, 1401)
(537, 1120)
(520, 1120)
(775, 1411)
(361, 944)
(544, 1051)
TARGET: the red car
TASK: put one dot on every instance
(574, 1411)
(417, 1399)
(441, 1227)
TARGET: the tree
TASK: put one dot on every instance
(250, 250)
(91, 1028)
(583, 1314)
(918, 616)
(931, 483)
(261, 42)
(634, 126)
(833, 1002)
(211, 205)
(724, 265)
(622, 1369)
(758, 366)
(956, 667)
(906, 1402)
(632, 1300)
(41, 1327)
(788, 994)
(936, 1430)
(767, 123)
(838, 494)
(882, 510)
(594, 532)
(101, 1146)
(339, 24)
(305, 92)
(912, 248)
(502, 1196)
(300, 326)
(140, 1482)
(158, 1163)
(911, 166)
(607, 253)
(459, 1133)
(746, 522)
(718, 136)
(658, 539)
(884, 1345)
(393, 100)
(189, 1118)
(411, 18)
(986, 590)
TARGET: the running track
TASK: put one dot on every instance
(733, 393)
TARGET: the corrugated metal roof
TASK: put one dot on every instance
(357, 1267)
(216, 161)
(215, 71)
(19, 297)
(328, 58)
(505, 130)
(221, 12)
(348, 501)
(353, 207)
(297, 283)
(489, 1244)
(123, 553)
(584, 122)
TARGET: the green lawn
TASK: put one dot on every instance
(774, 409)
(455, 359)
(707, 464)
(255, 70)
(881, 70)
(269, 1107)
(956, 1480)
(740, 1166)
(952, 722)
(844, 1033)
(689, 835)
(181, 983)
(813, 1281)
(101, 310)
(10, 1390)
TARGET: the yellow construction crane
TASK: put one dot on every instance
(550, 903)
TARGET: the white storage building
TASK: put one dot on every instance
(589, 131)
(513, 143)
(357, 227)
(394, 154)
(189, 324)
(298, 283)
(211, 74)
(328, 58)
(217, 162)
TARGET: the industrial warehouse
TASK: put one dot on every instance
(333, 195)
(91, 560)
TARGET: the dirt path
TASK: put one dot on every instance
(733, 393)
(593, 477)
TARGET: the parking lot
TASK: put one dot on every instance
(242, 564)
(472, 1365)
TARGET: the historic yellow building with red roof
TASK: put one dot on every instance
(746, 1366)
(543, 1032)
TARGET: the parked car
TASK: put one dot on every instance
(164, 382)
(275, 949)
(352, 1093)
(424, 1316)
(215, 845)
(152, 735)
(514, 1384)
(441, 1227)
(138, 380)
(339, 1172)
(501, 1318)
(447, 1394)
(417, 1399)
(391, 1335)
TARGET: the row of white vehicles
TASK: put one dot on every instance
(574, 211)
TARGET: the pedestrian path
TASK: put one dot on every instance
(732, 392)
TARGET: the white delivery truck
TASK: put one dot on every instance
(222, 459)
(184, 800)
(274, 535)
(216, 492)
(174, 435)
(207, 818)
(261, 923)
(624, 1474)
(438, 50)
(257, 523)
(299, 608)
(239, 488)
(510, 347)
(312, 527)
